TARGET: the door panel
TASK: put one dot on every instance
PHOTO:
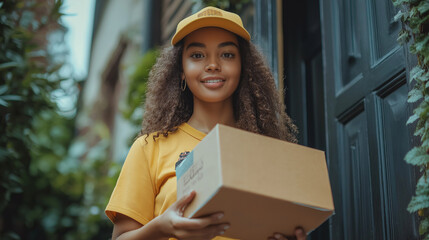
(396, 175)
(383, 30)
(351, 25)
(364, 50)
(354, 167)
(397, 178)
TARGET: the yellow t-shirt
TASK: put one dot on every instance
(146, 186)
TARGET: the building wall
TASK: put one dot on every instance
(116, 45)
(172, 12)
(119, 20)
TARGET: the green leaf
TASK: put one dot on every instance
(11, 97)
(419, 132)
(8, 65)
(3, 89)
(412, 119)
(422, 43)
(418, 202)
(423, 7)
(425, 78)
(413, 13)
(3, 103)
(425, 132)
(398, 16)
(425, 55)
(396, 3)
(425, 143)
(417, 156)
(416, 72)
(424, 226)
(422, 109)
(422, 187)
(414, 95)
(403, 37)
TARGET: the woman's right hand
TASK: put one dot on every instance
(172, 223)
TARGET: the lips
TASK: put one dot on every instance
(213, 82)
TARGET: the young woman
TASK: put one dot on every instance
(212, 74)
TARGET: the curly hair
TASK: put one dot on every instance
(256, 102)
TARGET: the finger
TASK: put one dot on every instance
(198, 223)
(184, 201)
(300, 234)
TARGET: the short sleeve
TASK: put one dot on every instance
(134, 193)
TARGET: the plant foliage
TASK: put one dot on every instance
(47, 191)
(414, 15)
(138, 85)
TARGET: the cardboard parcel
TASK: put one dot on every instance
(263, 185)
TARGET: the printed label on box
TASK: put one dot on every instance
(189, 172)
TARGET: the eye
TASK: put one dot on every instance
(228, 55)
(197, 55)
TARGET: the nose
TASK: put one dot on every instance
(212, 65)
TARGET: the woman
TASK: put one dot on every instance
(212, 74)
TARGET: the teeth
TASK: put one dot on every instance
(213, 81)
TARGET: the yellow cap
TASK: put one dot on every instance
(210, 17)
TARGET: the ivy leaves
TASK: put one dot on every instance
(414, 15)
(418, 93)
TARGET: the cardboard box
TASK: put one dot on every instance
(263, 185)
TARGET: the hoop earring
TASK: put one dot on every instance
(183, 85)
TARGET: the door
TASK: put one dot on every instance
(365, 89)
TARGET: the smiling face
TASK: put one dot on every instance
(211, 64)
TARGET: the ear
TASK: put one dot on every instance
(182, 76)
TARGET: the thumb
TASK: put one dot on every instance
(184, 202)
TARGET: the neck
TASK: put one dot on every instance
(206, 115)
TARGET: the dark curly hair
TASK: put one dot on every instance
(257, 104)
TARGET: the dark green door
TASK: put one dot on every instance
(365, 88)
(346, 87)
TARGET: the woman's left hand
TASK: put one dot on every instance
(299, 235)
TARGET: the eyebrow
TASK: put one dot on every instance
(202, 45)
